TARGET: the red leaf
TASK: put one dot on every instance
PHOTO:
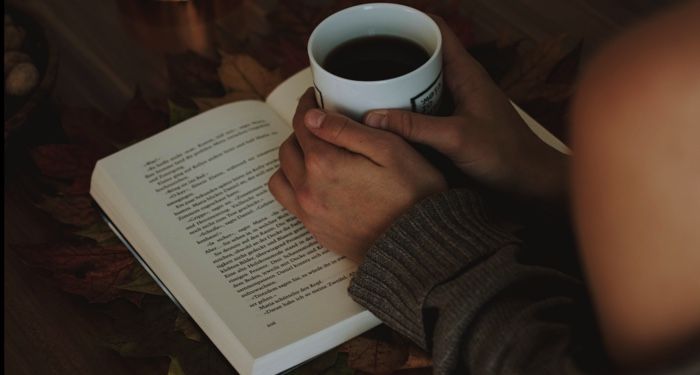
(72, 210)
(88, 126)
(140, 120)
(65, 161)
(191, 75)
(379, 351)
(84, 269)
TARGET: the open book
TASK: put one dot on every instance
(192, 202)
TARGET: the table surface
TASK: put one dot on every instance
(126, 58)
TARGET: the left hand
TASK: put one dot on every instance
(348, 182)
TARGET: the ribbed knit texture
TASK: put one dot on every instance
(444, 276)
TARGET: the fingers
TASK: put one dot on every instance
(350, 135)
(282, 190)
(463, 74)
(441, 133)
(292, 161)
(310, 144)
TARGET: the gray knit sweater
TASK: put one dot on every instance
(450, 280)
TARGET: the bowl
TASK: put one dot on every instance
(44, 55)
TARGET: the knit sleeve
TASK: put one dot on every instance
(449, 279)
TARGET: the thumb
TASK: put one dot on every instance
(348, 134)
(441, 133)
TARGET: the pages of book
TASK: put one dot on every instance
(193, 201)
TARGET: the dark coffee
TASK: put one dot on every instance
(375, 58)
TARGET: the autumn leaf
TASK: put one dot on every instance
(246, 21)
(72, 210)
(242, 73)
(100, 233)
(145, 331)
(192, 75)
(180, 113)
(65, 161)
(417, 358)
(175, 368)
(527, 79)
(541, 80)
(85, 269)
(139, 280)
(149, 331)
(140, 120)
(186, 325)
(379, 351)
(89, 126)
(244, 78)
(318, 365)
(205, 104)
(93, 129)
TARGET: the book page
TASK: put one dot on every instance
(285, 97)
(195, 204)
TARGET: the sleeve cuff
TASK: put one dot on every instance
(427, 246)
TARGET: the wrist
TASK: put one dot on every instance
(544, 174)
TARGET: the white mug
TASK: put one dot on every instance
(418, 91)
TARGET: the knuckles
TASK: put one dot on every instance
(309, 201)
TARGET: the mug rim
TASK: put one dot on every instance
(368, 7)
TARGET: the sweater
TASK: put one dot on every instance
(445, 276)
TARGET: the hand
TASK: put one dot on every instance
(485, 137)
(348, 182)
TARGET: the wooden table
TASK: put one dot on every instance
(166, 53)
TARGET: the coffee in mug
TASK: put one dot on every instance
(374, 56)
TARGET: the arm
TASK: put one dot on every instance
(445, 277)
(636, 186)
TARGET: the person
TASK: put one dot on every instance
(435, 266)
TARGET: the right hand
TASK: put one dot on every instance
(485, 137)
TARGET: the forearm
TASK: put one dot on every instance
(447, 278)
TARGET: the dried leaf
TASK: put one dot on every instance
(100, 233)
(527, 79)
(149, 331)
(191, 75)
(332, 362)
(140, 281)
(184, 324)
(145, 331)
(64, 160)
(204, 104)
(175, 368)
(94, 129)
(242, 73)
(318, 365)
(72, 210)
(88, 126)
(179, 114)
(417, 358)
(246, 21)
(88, 270)
(139, 120)
(379, 351)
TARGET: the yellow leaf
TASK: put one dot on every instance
(175, 368)
(141, 282)
(204, 104)
(242, 73)
(185, 324)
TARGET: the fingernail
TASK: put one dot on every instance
(377, 119)
(314, 118)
